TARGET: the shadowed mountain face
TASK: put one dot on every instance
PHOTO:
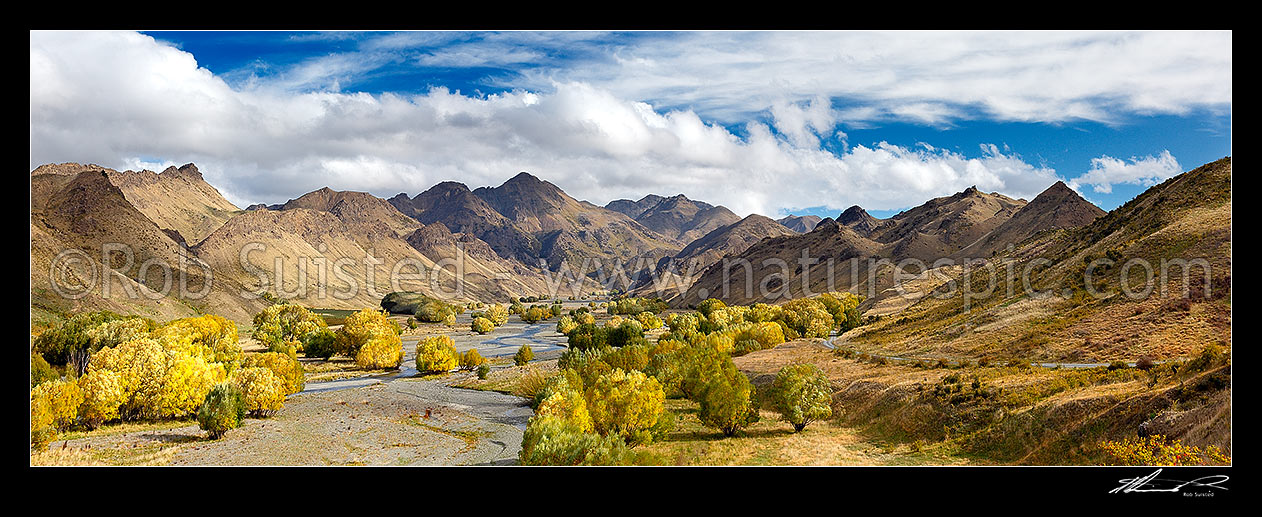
(800, 223)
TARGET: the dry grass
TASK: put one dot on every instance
(523, 381)
(773, 442)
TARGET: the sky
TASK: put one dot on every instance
(766, 122)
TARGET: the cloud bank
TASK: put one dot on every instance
(125, 100)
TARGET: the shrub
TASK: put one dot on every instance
(262, 391)
(483, 371)
(411, 323)
(726, 399)
(103, 394)
(381, 352)
(844, 308)
(212, 338)
(471, 359)
(524, 355)
(1118, 365)
(681, 323)
(42, 428)
(763, 312)
(223, 409)
(482, 325)
(497, 314)
(584, 318)
(802, 394)
(566, 324)
(763, 335)
(709, 305)
(1210, 355)
(69, 341)
(648, 320)
(552, 441)
(115, 332)
(633, 357)
(1157, 450)
(435, 311)
(587, 336)
(322, 344)
(625, 404)
(436, 354)
(41, 371)
(186, 382)
(287, 368)
(567, 402)
(808, 317)
(360, 328)
(62, 400)
(634, 306)
(1145, 363)
(287, 323)
(159, 382)
(627, 333)
(533, 315)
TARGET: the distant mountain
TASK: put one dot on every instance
(633, 209)
(684, 219)
(928, 232)
(570, 230)
(453, 205)
(700, 254)
(800, 223)
(857, 219)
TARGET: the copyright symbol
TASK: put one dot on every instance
(62, 276)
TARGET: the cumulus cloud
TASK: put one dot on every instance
(1107, 171)
(125, 100)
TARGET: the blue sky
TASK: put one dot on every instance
(766, 122)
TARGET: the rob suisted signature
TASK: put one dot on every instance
(1151, 483)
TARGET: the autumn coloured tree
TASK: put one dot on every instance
(802, 394)
(436, 354)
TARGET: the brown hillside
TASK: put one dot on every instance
(1058, 207)
(177, 199)
(356, 209)
(90, 212)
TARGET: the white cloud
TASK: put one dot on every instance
(1107, 171)
(125, 100)
(927, 77)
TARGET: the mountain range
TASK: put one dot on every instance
(509, 239)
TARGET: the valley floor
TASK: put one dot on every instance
(884, 414)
